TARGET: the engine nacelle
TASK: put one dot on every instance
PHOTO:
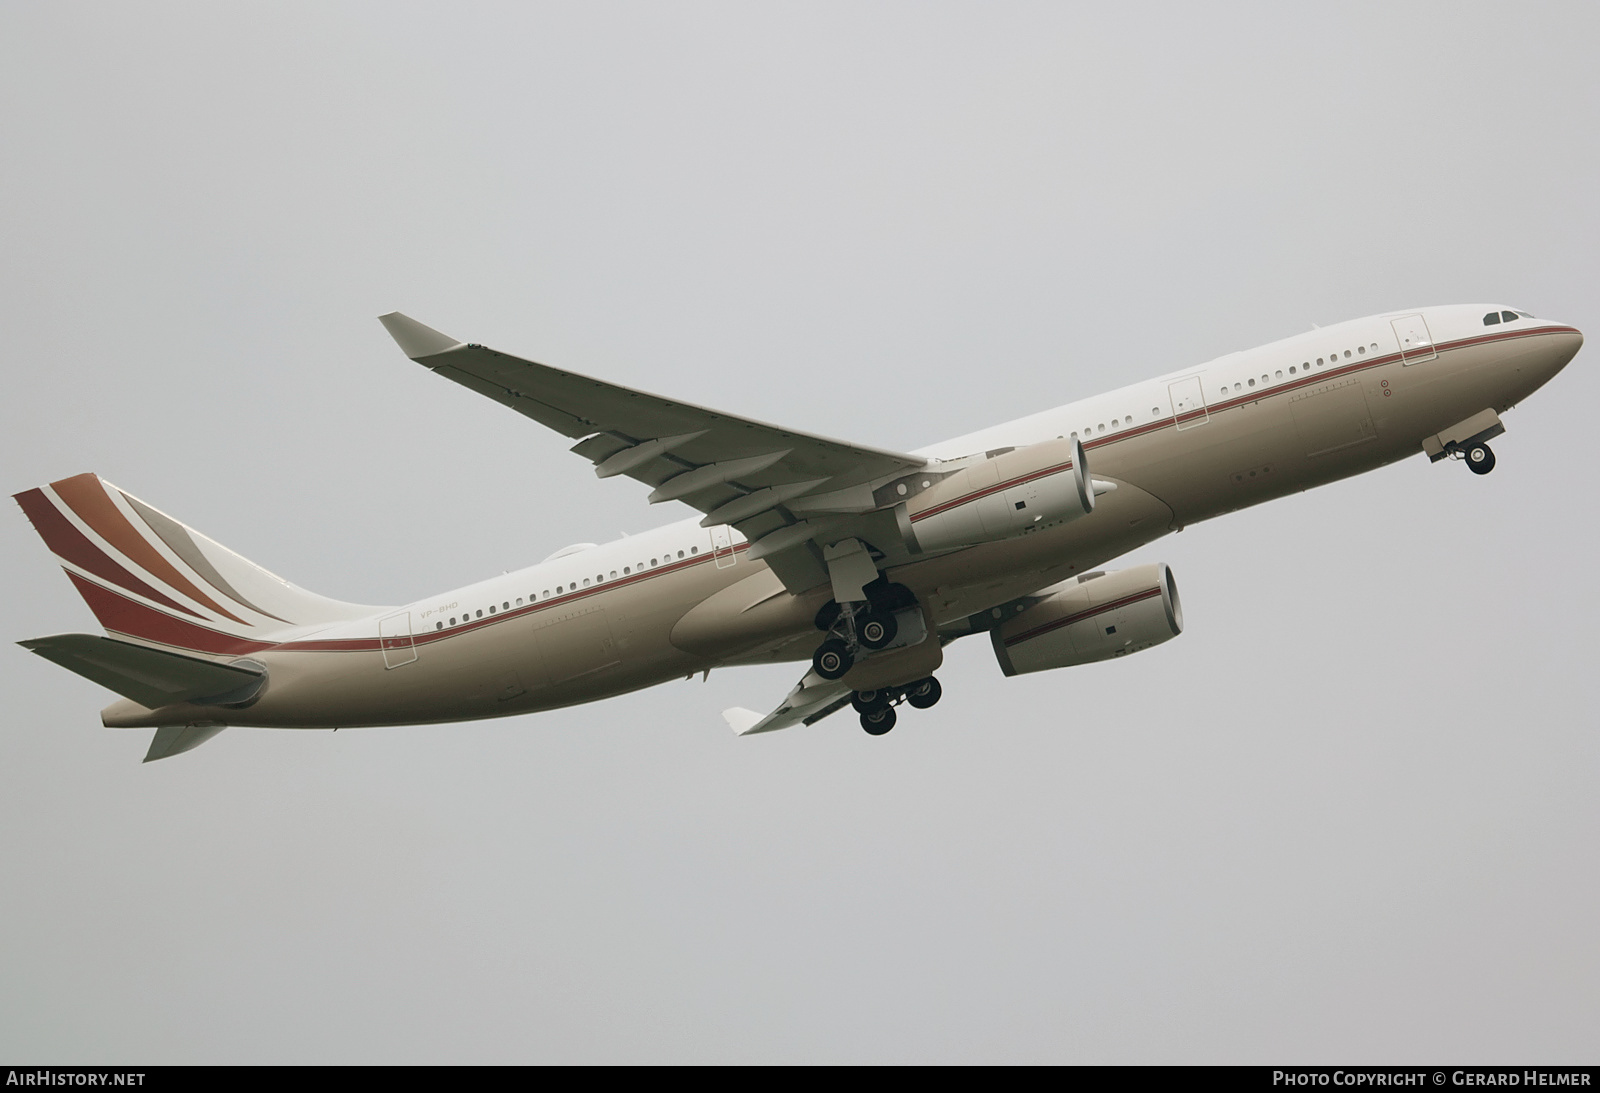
(1084, 620)
(1012, 494)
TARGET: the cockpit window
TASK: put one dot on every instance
(1491, 319)
(1508, 316)
(1525, 314)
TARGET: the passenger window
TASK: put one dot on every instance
(1252, 383)
(452, 620)
(1361, 350)
(680, 553)
(439, 626)
(480, 612)
(1291, 370)
(1238, 387)
(1347, 354)
(1508, 316)
(586, 582)
(519, 601)
(491, 609)
(693, 550)
(1319, 362)
(1155, 411)
(613, 574)
(1280, 373)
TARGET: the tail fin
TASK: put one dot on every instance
(151, 579)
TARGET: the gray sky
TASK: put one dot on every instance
(1349, 815)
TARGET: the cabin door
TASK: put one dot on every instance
(1188, 403)
(1416, 344)
(722, 545)
(394, 638)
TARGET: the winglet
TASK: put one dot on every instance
(415, 340)
(741, 720)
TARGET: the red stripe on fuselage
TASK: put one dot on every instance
(1312, 379)
(427, 637)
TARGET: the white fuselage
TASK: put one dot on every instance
(1179, 448)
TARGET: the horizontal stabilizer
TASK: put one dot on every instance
(151, 677)
(172, 740)
(812, 699)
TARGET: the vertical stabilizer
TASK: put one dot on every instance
(154, 580)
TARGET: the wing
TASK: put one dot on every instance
(782, 488)
(812, 699)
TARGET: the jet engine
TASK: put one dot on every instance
(1090, 618)
(1010, 494)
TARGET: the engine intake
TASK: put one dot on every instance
(1084, 620)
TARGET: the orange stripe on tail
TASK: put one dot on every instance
(87, 497)
(74, 546)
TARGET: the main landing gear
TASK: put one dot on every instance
(877, 707)
(870, 625)
(864, 627)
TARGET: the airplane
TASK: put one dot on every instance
(862, 561)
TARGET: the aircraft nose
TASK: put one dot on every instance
(1568, 339)
(1560, 345)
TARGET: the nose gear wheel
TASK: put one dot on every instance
(1479, 458)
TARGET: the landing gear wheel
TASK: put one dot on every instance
(878, 722)
(867, 701)
(827, 615)
(1480, 460)
(875, 629)
(832, 659)
(924, 693)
